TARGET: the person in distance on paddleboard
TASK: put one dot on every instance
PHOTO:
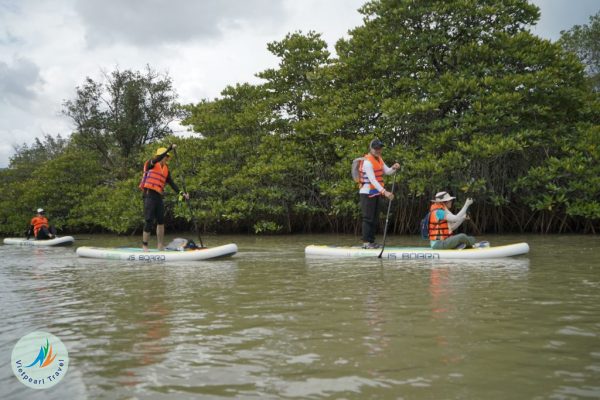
(443, 224)
(156, 175)
(371, 189)
(39, 227)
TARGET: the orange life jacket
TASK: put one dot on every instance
(377, 169)
(38, 223)
(154, 178)
(438, 230)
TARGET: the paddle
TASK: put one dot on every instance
(187, 200)
(468, 190)
(387, 217)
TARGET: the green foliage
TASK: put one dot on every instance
(58, 185)
(117, 117)
(584, 42)
(115, 208)
(464, 96)
(570, 183)
(28, 157)
(266, 227)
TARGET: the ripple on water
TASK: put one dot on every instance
(585, 391)
(574, 331)
(329, 386)
(303, 359)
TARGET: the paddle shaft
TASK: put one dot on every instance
(187, 201)
(387, 217)
(469, 193)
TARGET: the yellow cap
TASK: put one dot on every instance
(162, 150)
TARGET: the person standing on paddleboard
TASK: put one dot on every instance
(156, 176)
(371, 189)
(443, 224)
(39, 227)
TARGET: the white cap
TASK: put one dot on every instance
(40, 210)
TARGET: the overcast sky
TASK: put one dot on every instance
(47, 48)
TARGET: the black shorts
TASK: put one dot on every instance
(154, 209)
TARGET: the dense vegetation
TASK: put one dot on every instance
(465, 97)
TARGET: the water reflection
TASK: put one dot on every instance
(377, 341)
(515, 263)
(142, 309)
(438, 288)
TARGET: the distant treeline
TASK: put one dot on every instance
(464, 96)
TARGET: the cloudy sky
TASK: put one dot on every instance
(47, 48)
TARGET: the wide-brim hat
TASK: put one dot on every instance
(442, 197)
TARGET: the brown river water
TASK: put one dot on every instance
(269, 323)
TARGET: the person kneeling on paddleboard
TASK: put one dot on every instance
(39, 227)
(156, 176)
(371, 171)
(443, 224)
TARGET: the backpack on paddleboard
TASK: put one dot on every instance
(181, 244)
(425, 227)
(357, 169)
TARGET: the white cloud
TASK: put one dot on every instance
(17, 82)
(155, 22)
(47, 48)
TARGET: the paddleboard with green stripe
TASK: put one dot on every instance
(417, 253)
(153, 255)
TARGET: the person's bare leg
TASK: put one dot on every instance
(160, 236)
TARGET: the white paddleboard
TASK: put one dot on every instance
(418, 253)
(153, 255)
(57, 241)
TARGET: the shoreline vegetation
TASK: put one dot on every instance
(464, 96)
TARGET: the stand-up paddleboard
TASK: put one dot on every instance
(418, 253)
(57, 241)
(153, 255)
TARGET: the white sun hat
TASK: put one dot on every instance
(442, 197)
